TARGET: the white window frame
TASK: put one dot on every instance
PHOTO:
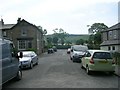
(19, 45)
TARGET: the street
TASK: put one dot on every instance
(58, 71)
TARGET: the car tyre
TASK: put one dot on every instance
(19, 75)
(111, 73)
(31, 65)
(37, 63)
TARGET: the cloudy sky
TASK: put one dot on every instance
(71, 15)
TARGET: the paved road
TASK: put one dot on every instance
(58, 71)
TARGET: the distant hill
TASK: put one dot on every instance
(74, 37)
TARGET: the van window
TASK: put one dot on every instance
(102, 55)
(5, 51)
(80, 48)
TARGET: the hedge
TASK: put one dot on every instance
(63, 46)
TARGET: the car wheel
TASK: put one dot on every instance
(88, 71)
(37, 63)
(31, 65)
(19, 75)
(111, 73)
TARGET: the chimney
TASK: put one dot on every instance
(2, 22)
(19, 19)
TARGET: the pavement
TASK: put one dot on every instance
(117, 70)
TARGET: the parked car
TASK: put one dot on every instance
(9, 62)
(54, 48)
(68, 51)
(50, 50)
(77, 52)
(98, 60)
(29, 59)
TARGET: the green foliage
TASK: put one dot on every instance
(95, 39)
(74, 38)
(98, 27)
(60, 34)
(63, 46)
(32, 49)
(80, 42)
(55, 40)
(49, 40)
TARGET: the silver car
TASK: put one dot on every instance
(29, 59)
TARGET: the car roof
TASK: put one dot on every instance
(4, 41)
(27, 52)
(98, 51)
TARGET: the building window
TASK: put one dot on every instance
(22, 45)
(110, 35)
(23, 32)
(29, 44)
(4, 34)
(115, 34)
(113, 47)
(109, 48)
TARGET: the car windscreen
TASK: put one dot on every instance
(83, 49)
(26, 55)
(102, 55)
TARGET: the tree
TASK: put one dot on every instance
(60, 34)
(49, 40)
(95, 38)
(45, 32)
(80, 42)
(55, 40)
(98, 27)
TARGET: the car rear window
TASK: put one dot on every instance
(102, 55)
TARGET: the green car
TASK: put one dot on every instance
(98, 60)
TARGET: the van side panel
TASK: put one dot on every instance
(6, 69)
(0, 67)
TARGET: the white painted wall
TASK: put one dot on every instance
(117, 48)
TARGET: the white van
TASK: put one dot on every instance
(77, 52)
(9, 62)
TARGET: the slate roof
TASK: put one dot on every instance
(6, 26)
(110, 42)
(114, 27)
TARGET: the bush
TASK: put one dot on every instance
(63, 46)
(32, 49)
